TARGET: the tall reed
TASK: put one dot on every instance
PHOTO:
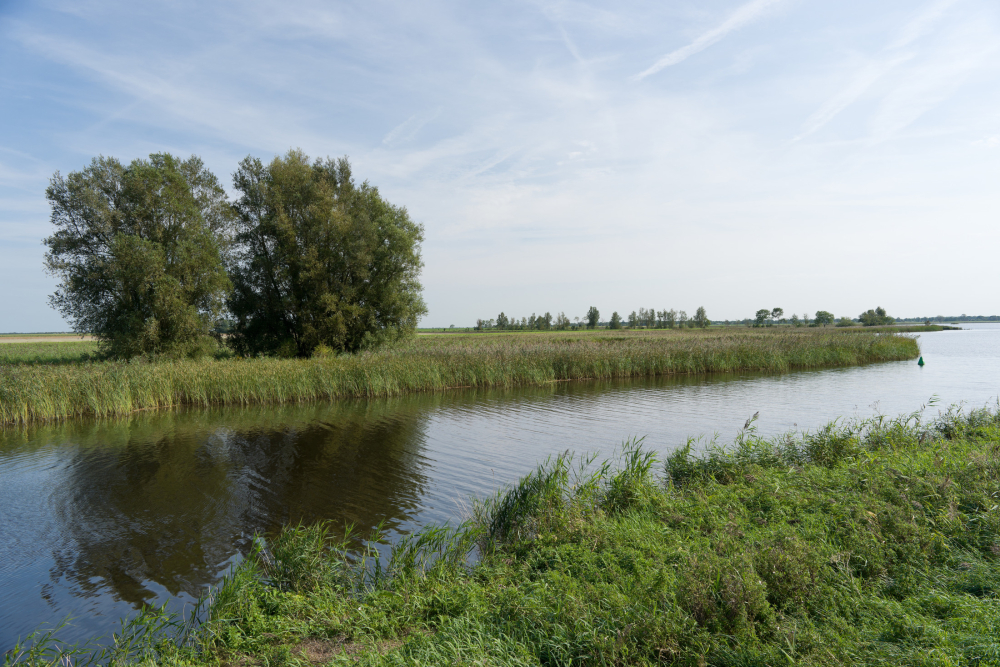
(103, 389)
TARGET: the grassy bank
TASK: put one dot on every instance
(867, 543)
(30, 392)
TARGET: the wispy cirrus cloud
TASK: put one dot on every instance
(409, 127)
(742, 16)
(897, 52)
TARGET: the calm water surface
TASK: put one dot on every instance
(98, 517)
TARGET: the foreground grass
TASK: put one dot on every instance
(870, 543)
(30, 392)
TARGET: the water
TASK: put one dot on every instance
(98, 517)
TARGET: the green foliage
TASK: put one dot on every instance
(428, 363)
(701, 318)
(845, 322)
(319, 259)
(138, 254)
(823, 318)
(593, 317)
(877, 317)
(616, 321)
(761, 317)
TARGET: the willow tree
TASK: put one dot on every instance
(138, 253)
(319, 260)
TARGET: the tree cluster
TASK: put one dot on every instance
(874, 318)
(534, 323)
(767, 318)
(152, 256)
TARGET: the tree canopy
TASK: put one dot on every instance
(138, 251)
(593, 317)
(872, 318)
(320, 260)
(823, 318)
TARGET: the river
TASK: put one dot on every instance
(99, 517)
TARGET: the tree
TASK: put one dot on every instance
(761, 317)
(320, 260)
(795, 320)
(616, 321)
(562, 322)
(701, 318)
(671, 318)
(823, 318)
(633, 320)
(877, 317)
(593, 317)
(845, 322)
(138, 251)
(776, 313)
(502, 321)
(682, 319)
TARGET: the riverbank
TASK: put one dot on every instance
(44, 391)
(873, 542)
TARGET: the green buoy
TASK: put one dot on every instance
(921, 362)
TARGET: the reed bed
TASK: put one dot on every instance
(428, 363)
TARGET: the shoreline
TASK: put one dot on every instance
(108, 389)
(865, 542)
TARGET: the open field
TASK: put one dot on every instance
(868, 543)
(37, 391)
(46, 352)
(42, 338)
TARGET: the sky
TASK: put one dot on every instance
(728, 154)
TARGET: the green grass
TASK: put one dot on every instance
(43, 352)
(31, 392)
(871, 543)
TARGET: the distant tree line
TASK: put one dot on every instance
(153, 259)
(775, 316)
(951, 318)
(534, 323)
(640, 319)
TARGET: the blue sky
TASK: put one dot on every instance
(736, 155)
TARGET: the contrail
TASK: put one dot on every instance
(740, 17)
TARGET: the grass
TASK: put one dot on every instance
(35, 353)
(872, 543)
(44, 391)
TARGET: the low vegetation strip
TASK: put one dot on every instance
(30, 392)
(873, 542)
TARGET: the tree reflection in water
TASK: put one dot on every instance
(162, 502)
